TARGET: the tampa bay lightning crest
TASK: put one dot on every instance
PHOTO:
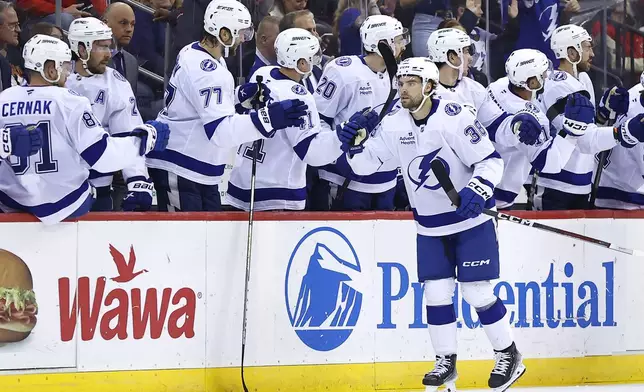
(322, 289)
(420, 171)
(343, 61)
(208, 65)
(298, 89)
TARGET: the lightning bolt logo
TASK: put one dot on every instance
(422, 170)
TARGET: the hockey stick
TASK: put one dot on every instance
(603, 156)
(392, 68)
(446, 183)
(249, 240)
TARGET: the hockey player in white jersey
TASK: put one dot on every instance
(451, 50)
(511, 117)
(113, 104)
(570, 188)
(282, 160)
(200, 110)
(621, 185)
(348, 84)
(55, 186)
(449, 242)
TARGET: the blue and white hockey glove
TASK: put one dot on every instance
(614, 100)
(368, 121)
(526, 127)
(579, 112)
(154, 136)
(631, 132)
(250, 97)
(473, 197)
(347, 132)
(279, 115)
(20, 141)
(139, 194)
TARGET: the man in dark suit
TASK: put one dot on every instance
(120, 18)
(265, 43)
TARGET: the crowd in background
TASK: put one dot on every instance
(140, 35)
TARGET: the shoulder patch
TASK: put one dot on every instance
(452, 109)
(559, 76)
(344, 61)
(299, 89)
(531, 107)
(72, 92)
(118, 76)
(208, 65)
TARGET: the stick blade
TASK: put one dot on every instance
(388, 57)
(445, 182)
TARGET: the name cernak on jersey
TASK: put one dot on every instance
(26, 108)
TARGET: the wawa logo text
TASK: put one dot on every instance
(151, 310)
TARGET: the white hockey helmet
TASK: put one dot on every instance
(85, 31)
(642, 78)
(442, 41)
(567, 36)
(524, 64)
(424, 69)
(377, 28)
(42, 48)
(294, 44)
(231, 15)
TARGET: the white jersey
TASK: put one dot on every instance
(114, 105)
(282, 159)
(53, 184)
(548, 155)
(200, 111)
(467, 91)
(621, 185)
(450, 134)
(576, 176)
(347, 86)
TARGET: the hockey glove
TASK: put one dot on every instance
(20, 141)
(347, 132)
(368, 121)
(139, 194)
(614, 100)
(473, 198)
(279, 115)
(154, 136)
(526, 127)
(579, 112)
(631, 132)
(249, 97)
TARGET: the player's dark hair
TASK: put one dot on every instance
(44, 28)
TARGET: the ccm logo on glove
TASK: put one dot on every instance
(574, 125)
(481, 190)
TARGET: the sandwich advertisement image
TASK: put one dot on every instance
(18, 307)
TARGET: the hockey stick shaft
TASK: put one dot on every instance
(446, 183)
(392, 67)
(249, 239)
(603, 156)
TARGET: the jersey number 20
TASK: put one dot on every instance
(46, 163)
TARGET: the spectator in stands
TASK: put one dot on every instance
(45, 10)
(148, 39)
(265, 43)
(18, 75)
(282, 7)
(9, 33)
(429, 13)
(120, 18)
(346, 25)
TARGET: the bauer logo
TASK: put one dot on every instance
(323, 299)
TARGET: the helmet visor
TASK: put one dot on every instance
(246, 34)
(316, 59)
(403, 39)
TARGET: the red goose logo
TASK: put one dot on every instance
(151, 312)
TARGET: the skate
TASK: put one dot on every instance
(444, 373)
(507, 369)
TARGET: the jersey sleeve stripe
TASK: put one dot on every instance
(302, 147)
(620, 195)
(492, 128)
(493, 155)
(264, 194)
(504, 196)
(540, 161)
(187, 162)
(570, 177)
(327, 120)
(93, 153)
(211, 127)
(46, 209)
